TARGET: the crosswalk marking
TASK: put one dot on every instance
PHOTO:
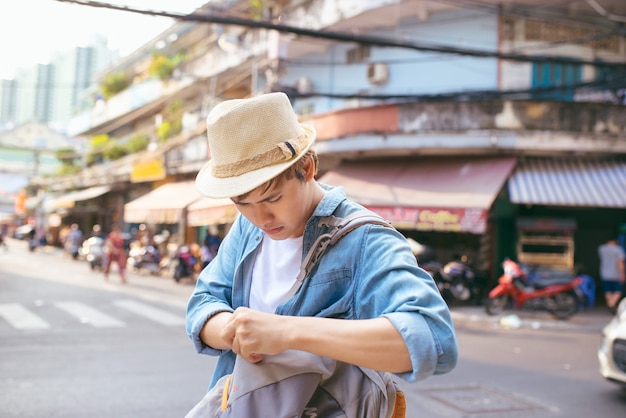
(158, 315)
(88, 315)
(21, 318)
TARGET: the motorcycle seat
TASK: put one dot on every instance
(545, 282)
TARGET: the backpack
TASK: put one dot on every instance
(298, 384)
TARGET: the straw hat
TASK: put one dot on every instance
(251, 141)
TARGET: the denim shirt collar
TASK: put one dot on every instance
(333, 198)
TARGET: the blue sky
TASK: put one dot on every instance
(32, 31)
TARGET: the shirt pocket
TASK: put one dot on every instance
(329, 294)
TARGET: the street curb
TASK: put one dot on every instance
(592, 320)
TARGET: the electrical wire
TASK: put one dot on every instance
(351, 38)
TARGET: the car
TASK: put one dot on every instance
(612, 350)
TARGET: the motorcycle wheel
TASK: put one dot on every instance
(563, 305)
(495, 306)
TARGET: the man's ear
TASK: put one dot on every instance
(310, 169)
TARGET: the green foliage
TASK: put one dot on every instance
(103, 148)
(70, 161)
(137, 143)
(93, 158)
(172, 120)
(164, 131)
(115, 152)
(163, 66)
(66, 170)
(67, 156)
(113, 84)
(99, 141)
(257, 9)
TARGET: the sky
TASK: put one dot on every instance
(33, 31)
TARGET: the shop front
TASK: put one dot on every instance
(216, 213)
(164, 208)
(440, 202)
(85, 207)
(565, 208)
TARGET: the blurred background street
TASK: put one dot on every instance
(483, 130)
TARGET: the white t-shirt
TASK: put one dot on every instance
(276, 267)
(610, 256)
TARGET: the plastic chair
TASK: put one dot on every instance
(588, 287)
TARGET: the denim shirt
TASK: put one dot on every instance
(369, 273)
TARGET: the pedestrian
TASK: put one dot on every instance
(96, 231)
(210, 245)
(612, 271)
(4, 230)
(115, 253)
(367, 303)
(74, 240)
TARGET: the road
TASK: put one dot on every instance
(73, 345)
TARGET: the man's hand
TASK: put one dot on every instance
(251, 334)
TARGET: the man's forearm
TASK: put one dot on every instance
(210, 332)
(371, 343)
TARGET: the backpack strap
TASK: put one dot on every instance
(338, 228)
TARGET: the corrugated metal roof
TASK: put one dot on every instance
(569, 182)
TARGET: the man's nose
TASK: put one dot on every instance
(263, 214)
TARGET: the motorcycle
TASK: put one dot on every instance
(184, 263)
(425, 257)
(457, 282)
(144, 257)
(559, 295)
(93, 251)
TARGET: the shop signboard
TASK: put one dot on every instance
(435, 219)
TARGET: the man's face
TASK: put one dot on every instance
(281, 211)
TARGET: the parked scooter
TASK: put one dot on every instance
(425, 257)
(184, 263)
(457, 281)
(559, 295)
(93, 251)
(144, 258)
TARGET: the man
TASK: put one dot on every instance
(366, 302)
(611, 272)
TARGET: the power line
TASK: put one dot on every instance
(351, 38)
(613, 85)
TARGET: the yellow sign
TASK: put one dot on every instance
(147, 171)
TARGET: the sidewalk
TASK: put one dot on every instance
(158, 288)
(589, 319)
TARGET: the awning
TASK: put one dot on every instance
(211, 212)
(163, 205)
(444, 194)
(569, 182)
(69, 200)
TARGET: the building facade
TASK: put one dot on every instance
(474, 129)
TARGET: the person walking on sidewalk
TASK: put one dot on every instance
(115, 253)
(366, 303)
(612, 272)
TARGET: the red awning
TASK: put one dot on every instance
(444, 194)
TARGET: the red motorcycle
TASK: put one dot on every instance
(556, 293)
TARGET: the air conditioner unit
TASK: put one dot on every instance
(377, 73)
